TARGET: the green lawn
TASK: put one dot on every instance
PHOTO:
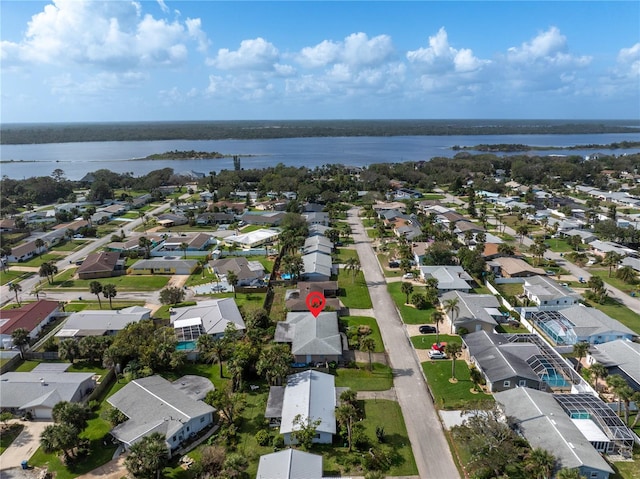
(425, 341)
(10, 275)
(249, 300)
(613, 281)
(510, 289)
(69, 246)
(361, 379)
(627, 470)
(353, 291)
(481, 288)
(558, 245)
(250, 228)
(93, 304)
(123, 283)
(37, 261)
(450, 395)
(8, 434)
(619, 312)
(432, 196)
(355, 321)
(383, 259)
(343, 254)
(410, 315)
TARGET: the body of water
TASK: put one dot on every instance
(77, 159)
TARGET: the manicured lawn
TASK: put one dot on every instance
(627, 470)
(250, 228)
(619, 312)
(372, 233)
(39, 260)
(481, 289)
(77, 305)
(69, 246)
(353, 291)
(510, 289)
(383, 259)
(8, 434)
(450, 395)
(361, 379)
(368, 223)
(355, 321)
(10, 275)
(249, 300)
(343, 254)
(122, 283)
(432, 196)
(613, 281)
(163, 311)
(209, 371)
(425, 341)
(558, 245)
(410, 315)
(198, 277)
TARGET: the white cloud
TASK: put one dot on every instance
(255, 54)
(629, 61)
(322, 54)
(163, 6)
(440, 57)
(359, 50)
(547, 48)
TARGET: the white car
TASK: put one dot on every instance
(407, 276)
(435, 354)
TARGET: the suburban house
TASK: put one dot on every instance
(312, 395)
(7, 225)
(101, 265)
(196, 242)
(544, 424)
(619, 357)
(168, 220)
(38, 391)
(318, 267)
(317, 244)
(510, 267)
(164, 265)
(215, 219)
(580, 323)
(290, 464)
(316, 218)
(601, 248)
(101, 322)
(30, 316)
(253, 239)
(315, 230)
(586, 236)
(295, 299)
(449, 278)
(504, 364)
(633, 262)
(270, 218)
(248, 272)
(153, 404)
(24, 252)
(313, 339)
(547, 294)
(206, 317)
(476, 311)
(133, 244)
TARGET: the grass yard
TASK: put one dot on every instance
(510, 289)
(247, 300)
(37, 261)
(425, 341)
(368, 223)
(410, 315)
(81, 305)
(432, 196)
(619, 312)
(361, 379)
(355, 321)
(481, 288)
(627, 470)
(450, 395)
(69, 246)
(163, 311)
(199, 277)
(383, 259)
(343, 254)
(353, 291)
(613, 281)
(7, 435)
(558, 245)
(250, 228)
(122, 283)
(11, 275)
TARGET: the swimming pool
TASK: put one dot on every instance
(186, 346)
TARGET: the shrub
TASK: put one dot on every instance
(262, 437)
(278, 442)
(380, 434)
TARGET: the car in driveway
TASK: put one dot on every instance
(426, 329)
(407, 276)
(435, 354)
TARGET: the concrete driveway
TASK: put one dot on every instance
(23, 447)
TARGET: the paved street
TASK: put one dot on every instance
(428, 442)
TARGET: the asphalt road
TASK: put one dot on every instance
(430, 448)
(29, 283)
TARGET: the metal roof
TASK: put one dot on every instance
(290, 464)
(310, 394)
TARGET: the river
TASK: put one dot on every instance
(77, 159)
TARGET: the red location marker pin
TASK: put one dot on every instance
(315, 302)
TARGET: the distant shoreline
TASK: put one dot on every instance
(24, 134)
(520, 148)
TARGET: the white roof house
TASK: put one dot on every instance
(320, 244)
(547, 294)
(102, 322)
(317, 267)
(290, 464)
(253, 238)
(544, 423)
(206, 317)
(153, 404)
(449, 277)
(619, 357)
(311, 395)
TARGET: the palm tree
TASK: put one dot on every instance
(293, 265)
(184, 247)
(599, 371)
(611, 259)
(437, 318)
(68, 349)
(566, 473)
(452, 309)
(540, 463)
(353, 264)
(45, 271)
(627, 274)
(636, 399)
(20, 339)
(453, 350)
(580, 350)
(615, 382)
(109, 291)
(39, 244)
(625, 394)
(407, 289)
(15, 288)
(368, 345)
(96, 288)
(475, 376)
(347, 415)
(145, 243)
(148, 457)
(53, 270)
(232, 279)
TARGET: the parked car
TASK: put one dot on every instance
(433, 354)
(426, 329)
(407, 276)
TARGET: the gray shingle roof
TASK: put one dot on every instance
(592, 321)
(473, 306)
(310, 335)
(621, 353)
(449, 277)
(214, 315)
(290, 464)
(39, 388)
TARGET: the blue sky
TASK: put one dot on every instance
(76, 60)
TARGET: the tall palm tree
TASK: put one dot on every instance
(39, 244)
(96, 288)
(627, 274)
(406, 288)
(611, 259)
(184, 247)
(437, 318)
(598, 371)
(540, 463)
(232, 279)
(453, 350)
(15, 288)
(452, 309)
(580, 350)
(109, 291)
(20, 339)
(45, 271)
(368, 345)
(615, 382)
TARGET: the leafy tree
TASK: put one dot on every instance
(74, 414)
(148, 457)
(567, 473)
(229, 404)
(506, 249)
(172, 295)
(347, 415)
(368, 345)
(60, 438)
(627, 274)
(68, 349)
(274, 363)
(406, 289)
(292, 265)
(15, 288)
(109, 291)
(476, 376)
(20, 339)
(113, 416)
(212, 460)
(93, 348)
(96, 288)
(304, 430)
(453, 350)
(145, 243)
(419, 301)
(580, 350)
(612, 260)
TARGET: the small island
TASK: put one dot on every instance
(518, 147)
(186, 155)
